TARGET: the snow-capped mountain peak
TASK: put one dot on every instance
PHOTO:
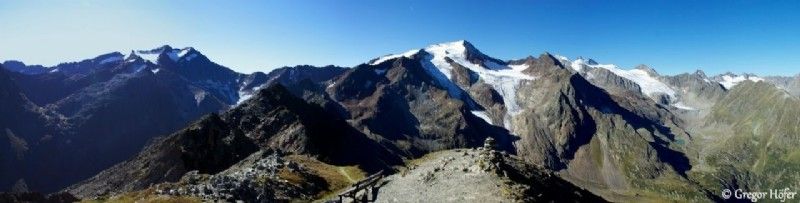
(108, 58)
(728, 80)
(154, 55)
(645, 68)
(457, 49)
(440, 60)
(642, 75)
(450, 48)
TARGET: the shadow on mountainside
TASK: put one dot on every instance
(598, 98)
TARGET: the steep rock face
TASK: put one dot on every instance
(277, 119)
(23, 127)
(750, 139)
(273, 119)
(611, 144)
(610, 81)
(405, 103)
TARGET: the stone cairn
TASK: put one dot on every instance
(489, 158)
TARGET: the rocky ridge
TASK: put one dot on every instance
(477, 175)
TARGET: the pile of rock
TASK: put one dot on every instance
(489, 159)
(256, 182)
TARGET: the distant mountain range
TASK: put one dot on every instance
(621, 134)
(94, 113)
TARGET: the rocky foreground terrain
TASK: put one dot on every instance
(477, 175)
(461, 175)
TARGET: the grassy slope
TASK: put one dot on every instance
(760, 149)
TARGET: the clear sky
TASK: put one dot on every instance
(671, 36)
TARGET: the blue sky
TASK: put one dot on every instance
(671, 36)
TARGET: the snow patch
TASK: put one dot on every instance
(562, 58)
(729, 81)
(482, 115)
(139, 68)
(111, 59)
(649, 84)
(577, 65)
(407, 54)
(199, 96)
(246, 94)
(683, 106)
(148, 56)
(504, 79)
(440, 77)
(183, 52)
(155, 70)
(244, 97)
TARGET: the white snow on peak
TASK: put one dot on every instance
(111, 59)
(185, 54)
(728, 81)
(456, 51)
(184, 51)
(155, 70)
(503, 78)
(148, 56)
(407, 54)
(453, 50)
(153, 55)
(649, 84)
(577, 64)
(560, 57)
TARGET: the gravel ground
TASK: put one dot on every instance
(447, 176)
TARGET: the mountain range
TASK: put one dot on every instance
(156, 118)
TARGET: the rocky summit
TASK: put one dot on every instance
(441, 123)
